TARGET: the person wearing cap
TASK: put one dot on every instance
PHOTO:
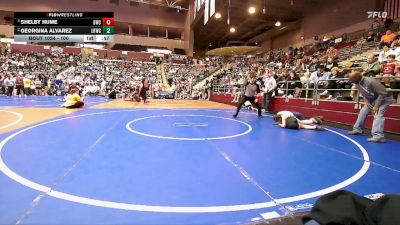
(250, 92)
(377, 100)
(319, 79)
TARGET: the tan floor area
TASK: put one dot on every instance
(163, 103)
(29, 116)
(14, 118)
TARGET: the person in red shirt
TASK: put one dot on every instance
(390, 68)
(19, 85)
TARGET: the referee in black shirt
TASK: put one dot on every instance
(250, 92)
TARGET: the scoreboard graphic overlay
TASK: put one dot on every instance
(64, 26)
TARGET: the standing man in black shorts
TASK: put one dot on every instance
(251, 88)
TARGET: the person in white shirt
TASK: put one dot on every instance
(319, 77)
(9, 83)
(385, 53)
(269, 87)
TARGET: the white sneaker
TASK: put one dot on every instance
(324, 93)
(329, 97)
(290, 96)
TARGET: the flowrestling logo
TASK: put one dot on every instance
(377, 14)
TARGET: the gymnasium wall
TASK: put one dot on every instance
(149, 41)
(326, 18)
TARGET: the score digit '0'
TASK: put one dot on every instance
(108, 21)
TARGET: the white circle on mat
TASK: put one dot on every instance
(129, 127)
(175, 209)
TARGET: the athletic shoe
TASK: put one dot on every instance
(377, 140)
(260, 116)
(354, 132)
(319, 120)
(319, 128)
(235, 115)
(324, 93)
(329, 97)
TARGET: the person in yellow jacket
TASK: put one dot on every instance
(73, 100)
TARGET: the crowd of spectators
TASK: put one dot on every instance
(294, 72)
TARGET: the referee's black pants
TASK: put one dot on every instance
(252, 100)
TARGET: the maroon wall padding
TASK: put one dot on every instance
(29, 48)
(222, 98)
(72, 50)
(339, 112)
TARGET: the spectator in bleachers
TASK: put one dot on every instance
(385, 53)
(314, 64)
(396, 49)
(330, 63)
(376, 24)
(371, 36)
(294, 85)
(390, 68)
(332, 52)
(319, 78)
(387, 39)
(372, 67)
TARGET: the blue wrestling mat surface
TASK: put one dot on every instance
(178, 166)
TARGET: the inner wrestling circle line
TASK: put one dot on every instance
(128, 126)
(173, 209)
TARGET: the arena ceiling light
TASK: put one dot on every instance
(217, 15)
(252, 10)
(278, 23)
(232, 30)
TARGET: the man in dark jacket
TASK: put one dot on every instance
(250, 92)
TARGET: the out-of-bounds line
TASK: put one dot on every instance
(58, 181)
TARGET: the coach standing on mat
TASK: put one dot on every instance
(250, 92)
(377, 99)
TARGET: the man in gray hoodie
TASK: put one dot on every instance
(377, 100)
